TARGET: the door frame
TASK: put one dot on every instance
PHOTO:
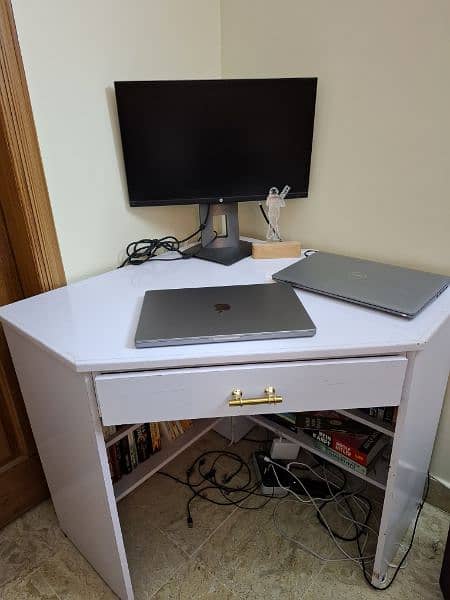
(26, 204)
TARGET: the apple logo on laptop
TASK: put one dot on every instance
(220, 308)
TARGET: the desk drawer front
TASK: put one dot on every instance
(205, 392)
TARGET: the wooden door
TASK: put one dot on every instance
(30, 263)
(22, 482)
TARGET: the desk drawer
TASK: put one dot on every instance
(206, 391)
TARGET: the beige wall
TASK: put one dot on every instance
(73, 51)
(380, 181)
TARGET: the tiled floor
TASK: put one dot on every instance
(229, 554)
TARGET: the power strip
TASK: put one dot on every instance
(269, 486)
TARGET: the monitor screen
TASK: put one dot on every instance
(186, 142)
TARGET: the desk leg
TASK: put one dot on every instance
(64, 417)
(417, 422)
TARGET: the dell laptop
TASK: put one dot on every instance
(221, 314)
(400, 291)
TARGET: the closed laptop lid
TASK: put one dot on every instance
(217, 314)
(385, 287)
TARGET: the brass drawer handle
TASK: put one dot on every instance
(270, 397)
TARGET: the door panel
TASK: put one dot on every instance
(22, 482)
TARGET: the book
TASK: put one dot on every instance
(125, 457)
(155, 437)
(351, 464)
(388, 416)
(185, 424)
(170, 430)
(143, 444)
(110, 464)
(286, 419)
(359, 448)
(133, 450)
(109, 431)
(178, 428)
(114, 460)
(328, 420)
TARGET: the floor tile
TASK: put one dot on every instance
(32, 587)
(152, 556)
(418, 581)
(162, 503)
(250, 558)
(194, 580)
(72, 577)
(28, 541)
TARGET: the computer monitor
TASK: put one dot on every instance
(215, 143)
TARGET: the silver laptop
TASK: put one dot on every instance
(221, 314)
(396, 290)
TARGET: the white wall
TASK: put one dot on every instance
(73, 52)
(380, 180)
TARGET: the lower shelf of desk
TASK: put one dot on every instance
(168, 452)
(376, 476)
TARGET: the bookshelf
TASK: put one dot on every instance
(372, 422)
(169, 450)
(376, 476)
(122, 432)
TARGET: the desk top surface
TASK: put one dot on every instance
(91, 324)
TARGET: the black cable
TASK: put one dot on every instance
(400, 564)
(144, 250)
(208, 476)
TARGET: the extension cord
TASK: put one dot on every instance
(264, 466)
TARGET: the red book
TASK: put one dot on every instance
(361, 448)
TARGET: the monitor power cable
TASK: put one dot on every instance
(141, 251)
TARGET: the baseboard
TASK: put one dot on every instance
(439, 493)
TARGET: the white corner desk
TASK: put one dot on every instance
(73, 350)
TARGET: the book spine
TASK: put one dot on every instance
(115, 461)
(348, 451)
(170, 430)
(155, 437)
(354, 466)
(141, 438)
(282, 421)
(110, 465)
(395, 415)
(125, 458)
(388, 414)
(133, 450)
(328, 421)
(109, 431)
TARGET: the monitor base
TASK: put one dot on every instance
(223, 256)
(225, 248)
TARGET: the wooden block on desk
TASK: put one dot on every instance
(276, 249)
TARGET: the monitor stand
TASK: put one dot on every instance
(225, 249)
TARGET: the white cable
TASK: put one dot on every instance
(348, 557)
(335, 498)
(350, 518)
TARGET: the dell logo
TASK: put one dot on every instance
(358, 275)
